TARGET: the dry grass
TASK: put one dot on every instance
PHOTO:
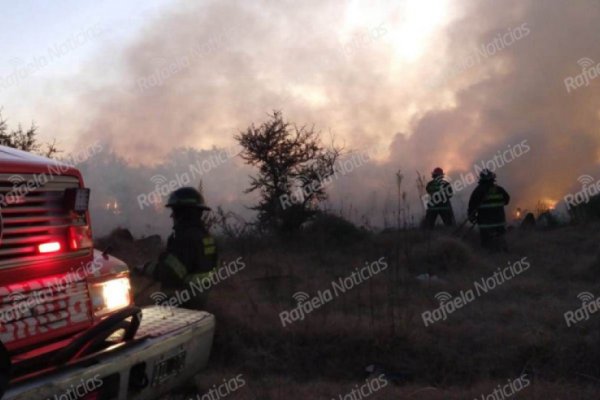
(516, 328)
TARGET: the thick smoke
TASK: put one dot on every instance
(498, 75)
(134, 197)
(518, 94)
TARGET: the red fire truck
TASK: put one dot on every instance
(68, 325)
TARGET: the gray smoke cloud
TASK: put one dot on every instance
(490, 80)
(519, 94)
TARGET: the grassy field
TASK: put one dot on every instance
(507, 330)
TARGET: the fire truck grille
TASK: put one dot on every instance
(33, 212)
(42, 305)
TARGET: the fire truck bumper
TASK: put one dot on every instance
(170, 347)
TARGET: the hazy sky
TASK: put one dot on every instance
(452, 83)
(48, 46)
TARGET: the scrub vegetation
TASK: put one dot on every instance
(517, 327)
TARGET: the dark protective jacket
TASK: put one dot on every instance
(440, 192)
(487, 203)
(191, 255)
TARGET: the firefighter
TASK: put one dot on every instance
(486, 209)
(440, 192)
(191, 258)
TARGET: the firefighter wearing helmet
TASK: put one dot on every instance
(486, 209)
(439, 192)
(191, 254)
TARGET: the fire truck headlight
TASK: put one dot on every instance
(110, 296)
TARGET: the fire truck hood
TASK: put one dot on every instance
(13, 160)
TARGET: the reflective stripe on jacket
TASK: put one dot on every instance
(487, 202)
(191, 255)
(172, 271)
(492, 199)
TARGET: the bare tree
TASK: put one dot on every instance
(25, 140)
(293, 166)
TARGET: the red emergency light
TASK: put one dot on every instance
(50, 247)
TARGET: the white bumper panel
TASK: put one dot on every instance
(177, 346)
